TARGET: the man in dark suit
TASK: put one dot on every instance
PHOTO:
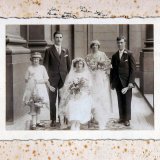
(57, 62)
(122, 78)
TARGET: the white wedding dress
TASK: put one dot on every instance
(76, 107)
(101, 87)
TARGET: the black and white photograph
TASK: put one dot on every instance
(80, 77)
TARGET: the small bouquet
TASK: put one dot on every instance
(37, 100)
(92, 64)
(104, 65)
(76, 86)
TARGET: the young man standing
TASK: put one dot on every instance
(122, 78)
(57, 62)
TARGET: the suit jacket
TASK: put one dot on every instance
(57, 65)
(122, 69)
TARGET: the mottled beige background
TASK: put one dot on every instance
(80, 150)
(79, 8)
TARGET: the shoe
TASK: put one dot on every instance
(40, 125)
(53, 124)
(38, 105)
(127, 123)
(33, 127)
(120, 121)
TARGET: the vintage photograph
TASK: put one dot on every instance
(80, 77)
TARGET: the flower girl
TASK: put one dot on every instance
(36, 94)
(76, 99)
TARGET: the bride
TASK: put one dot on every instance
(99, 65)
(76, 100)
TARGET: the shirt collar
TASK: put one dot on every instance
(121, 51)
(57, 46)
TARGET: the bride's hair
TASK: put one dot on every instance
(77, 60)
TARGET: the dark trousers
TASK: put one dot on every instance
(124, 102)
(57, 84)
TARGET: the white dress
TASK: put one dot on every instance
(39, 90)
(76, 107)
(101, 87)
(79, 106)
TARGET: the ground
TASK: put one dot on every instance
(142, 117)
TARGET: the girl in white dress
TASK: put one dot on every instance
(76, 100)
(36, 94)
(99, 65)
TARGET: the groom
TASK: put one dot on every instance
(57, 62)
(122, 78)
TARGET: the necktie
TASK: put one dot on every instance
(58, 50)
(120, 55)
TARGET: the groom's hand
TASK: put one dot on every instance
(124, 90)
(52, 88)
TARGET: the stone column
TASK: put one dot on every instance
(106, 34)
(136, 42)
(68, 38)
(39, 37)
(124, 29)
(147, 64)
(17, 61)
(80, 40)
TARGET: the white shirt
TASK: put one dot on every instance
(121, 53)
(59, 48)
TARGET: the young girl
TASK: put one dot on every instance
(76, 99)
(36, 95)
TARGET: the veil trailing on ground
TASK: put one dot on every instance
(64, 92)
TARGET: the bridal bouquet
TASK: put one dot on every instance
(92, 64)
(76, 86)
(103, 64)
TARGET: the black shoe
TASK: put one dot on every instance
(120, 121)
(127, 123)
(53, 124)
(33, 127)
(40, 125)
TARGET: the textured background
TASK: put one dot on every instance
(80, 150)
(79, 9)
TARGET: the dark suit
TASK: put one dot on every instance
(58, 66)
(123, 73)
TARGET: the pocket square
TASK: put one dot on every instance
(66, 55)
(126, 60)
